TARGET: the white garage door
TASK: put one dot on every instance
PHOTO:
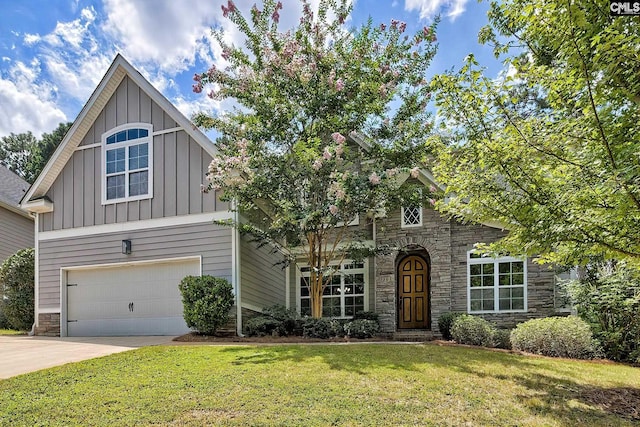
(140, 299)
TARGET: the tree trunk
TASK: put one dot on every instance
(315, 292)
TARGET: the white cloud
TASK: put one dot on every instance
(25, 104)
(430, 8)
(163, 32)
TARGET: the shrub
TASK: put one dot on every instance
(362, 328)
(207, 301)
(289, 319)
(472, 330)
(4, 323)
(445, 322)
(368, 315)
(608, 298)
(260, 326)
(502, 338)
(274, 320)
(17, 290)
(555, 336)
(321, 328)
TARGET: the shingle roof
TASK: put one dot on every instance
(12, 187)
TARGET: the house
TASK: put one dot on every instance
(120, 219)
(16, 225)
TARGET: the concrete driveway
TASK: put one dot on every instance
(22, 354)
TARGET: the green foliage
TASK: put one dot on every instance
(445, 322)
(608, 298)
(26, 156)
(502, 338)
(17, 289)
(557, 337)
(322, 328)
(472, 330)
(362, 328)
(368, 315)
(549, 148)
(260, 326)
(4, 322)
(330, 118)
(206, 301)
(275, 320)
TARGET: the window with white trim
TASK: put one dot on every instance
(127, 163)
(411, 216)
(343, 297)
(496, 284)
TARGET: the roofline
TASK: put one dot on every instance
(16, 209)
(118, 69)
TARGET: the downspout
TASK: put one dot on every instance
(375, 244)
(235, 269)
(36, 276)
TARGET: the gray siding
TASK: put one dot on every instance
(179, 168)
(16, 232)
(211, 242)
(262, 282)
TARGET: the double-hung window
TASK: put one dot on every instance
(343, 297)
(127, 166)
(496, 284)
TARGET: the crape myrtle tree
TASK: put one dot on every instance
(551, 148)
(328, 121)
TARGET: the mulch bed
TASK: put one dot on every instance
(229, 338)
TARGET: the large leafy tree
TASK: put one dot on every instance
(550, 148)
(328, 121)
(25, 155)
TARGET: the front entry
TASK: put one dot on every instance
(413, 293)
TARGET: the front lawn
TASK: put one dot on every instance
(362, 384)
(11, 332)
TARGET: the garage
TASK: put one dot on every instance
(128, 299)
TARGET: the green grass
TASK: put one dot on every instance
(11, 332)
(297, 385)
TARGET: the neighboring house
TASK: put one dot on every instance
(120, 219)
(16, 225)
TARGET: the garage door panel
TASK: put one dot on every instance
(139, 299)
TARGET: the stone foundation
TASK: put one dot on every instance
(48, 324)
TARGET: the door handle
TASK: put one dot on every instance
(131, 307)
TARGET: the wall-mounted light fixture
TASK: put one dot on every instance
(126, 247)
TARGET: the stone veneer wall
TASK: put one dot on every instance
(48, 324)
(447, 243)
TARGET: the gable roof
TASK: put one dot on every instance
(117, 71)
(12, 190)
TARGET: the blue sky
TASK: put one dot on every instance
(53, 53)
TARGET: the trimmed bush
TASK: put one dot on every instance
(260, 326)
(17, 290)
(207, 301)
(362, 328)
(289, 319)
(368, 315)
(445, 322)
(502, 338)
(556, 337)
(472, 330)
(275, 320)
(321, 328)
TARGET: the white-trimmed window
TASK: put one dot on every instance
(127, 163)
(496, 285)
(343, 297)
(411, 216)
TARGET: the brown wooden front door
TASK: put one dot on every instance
(413, 293)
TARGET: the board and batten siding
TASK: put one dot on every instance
(263, 282)
(16, 232)
(211, 242)
(179, 168)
